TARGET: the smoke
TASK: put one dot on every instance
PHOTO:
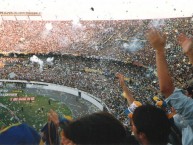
(109, 30)
(48, 26)
(157, 23)
(47, 31)
(35, 59)
(50, 60)
(63, 41)
(76, 23)
(12, 75)
(134, 45)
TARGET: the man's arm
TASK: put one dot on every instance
(53, 116)
(158, 41)
(128, 94)
(187, 46)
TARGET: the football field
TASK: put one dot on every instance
(33, 112)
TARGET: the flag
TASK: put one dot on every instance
(50, 130)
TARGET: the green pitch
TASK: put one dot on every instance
(34, 112)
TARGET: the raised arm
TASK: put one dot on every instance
(187, 46)
(126, 91)
(158, 41)
(53, 116)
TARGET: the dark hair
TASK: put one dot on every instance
(153, 122)
(97, 128)
(190, 91)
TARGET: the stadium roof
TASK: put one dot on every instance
(99, 9)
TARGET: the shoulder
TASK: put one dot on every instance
(178, 96)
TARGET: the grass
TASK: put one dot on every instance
(35, 112)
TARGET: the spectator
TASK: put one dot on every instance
(97, 128)
(187, 46)
(180, 102)
(150, 125)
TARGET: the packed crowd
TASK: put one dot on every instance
(120, 40)
(74, 72)
(71, 71)
(110, 39)
(94, 71)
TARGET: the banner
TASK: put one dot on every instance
(23, 99)
(93, 70)
(8, 94)
(20, 13)
(17, 91)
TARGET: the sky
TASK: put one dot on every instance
(101, 9)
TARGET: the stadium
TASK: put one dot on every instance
(69, 65)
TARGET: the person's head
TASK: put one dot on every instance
(150, 125)
(190, 91)
(97, 128)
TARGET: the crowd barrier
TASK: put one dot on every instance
(49, 86)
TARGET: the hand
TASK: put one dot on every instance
(53, 116)
(156, 39)
(186, 44)
(173, 111)
(121, 79)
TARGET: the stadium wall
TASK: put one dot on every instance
(48, 86)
